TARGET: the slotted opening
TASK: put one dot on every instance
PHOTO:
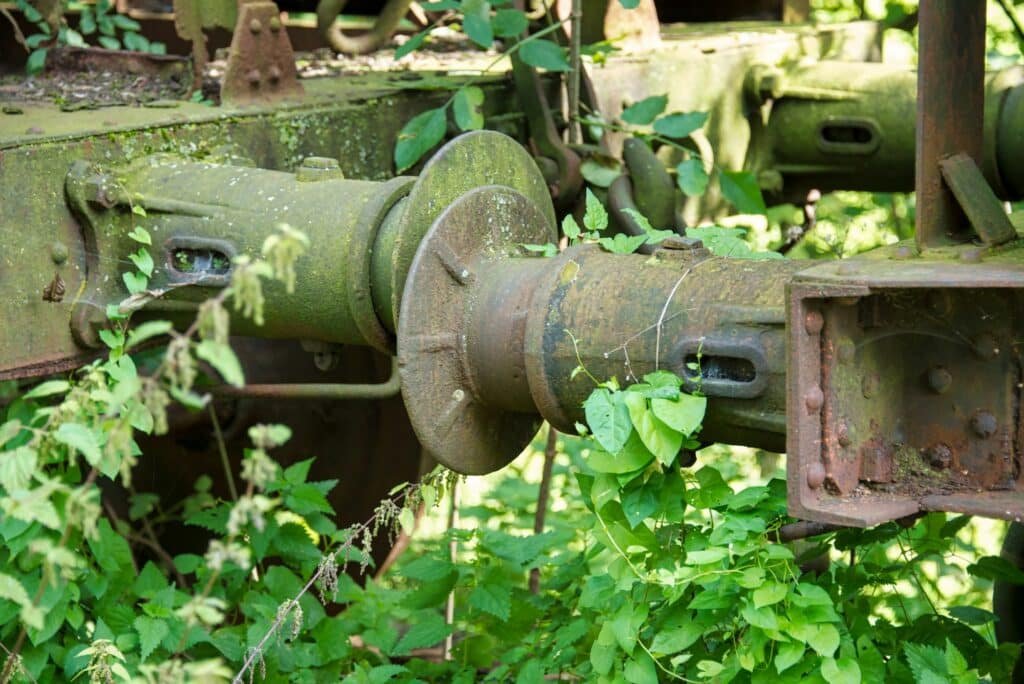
(200, 261)
(848, 134)
(711, 367)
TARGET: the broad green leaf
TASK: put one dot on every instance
(419, 136)
(671, 641)
(640, 669)
(114, 339)
(764, 618)
(147, 330)
(740, 188)
(928, 663)
(412, 44)
(508, 23)
(151, 632)
(680, 125)
(645, 111)
(570, 228)
(684, 414)
(494, 598)
(428, 630)
(36, 61)
(81, 439)
(546, 250)
(407, 520)
(622, 243)
(660, 439)
(17, 467)
(842, 671)
(824, 639)
(476, 22)
(602, 651)
(639, 503)
(466, 108)
(709, 668)
(769, 594)
(543, 54)
(596, 216)
(428, 569)
(608, 419)
(135, 282)
(996, 568)
(788, 655)
(691, 177)
(143, 261)
(706, 556)
(223, 359)
(600, 171)
(140, 234)
(48, 388)
(9, 431)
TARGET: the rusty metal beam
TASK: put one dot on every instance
(950, 110)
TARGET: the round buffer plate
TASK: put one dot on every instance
(469, 161)
(479, 229)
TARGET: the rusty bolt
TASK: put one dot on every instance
(984, 424)
(678, 242)
(274, 73)
(814, 399)
(986, 346)
(255, 26)
(939, 379)
(939, 455)
(253, 77)
(813, 322)
(59, 252)
(815, 475)
(275, 24)
(843, 435)
(869, 385)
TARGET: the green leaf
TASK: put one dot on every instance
(466, 107)
(9, 431)
(494, 598)
(412, 44)
(546, 250)
(706, 556)
(684, 414)
(608, 419)
(842, 671)
(151, 632)
(407, 520)
(147, 330)
(419, 136)
(680, 125)
(769, 594)
(544, 54)
(740, 188)
(111, 338)
(48, 388)
(508, 23)
(36, 61)
(928, 663)
(135, 282)
(428, 630)
(996, 568)
(305, 499)
(17, 467)
(788, 655)
(81, 439)
(622, 243)
(640, 669)
(476, 22)
(109, 42)
(639, 503)
(691, 177)
(678, 639)
(971, 615)
(141, 235)
(633, 456)
(663, 441)
(570, 228)
(143, 261)
(645, 111)
(602, 651)
(824, 639)
(956, 664)
(596, 217)
(223, 359)
(428, 569)
(87, 21)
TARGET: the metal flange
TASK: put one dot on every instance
(475, 236)
(469, 161)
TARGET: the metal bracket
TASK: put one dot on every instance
(261, 67)
(976, 198)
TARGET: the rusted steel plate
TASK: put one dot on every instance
(977, 200)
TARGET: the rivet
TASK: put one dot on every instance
(940, 456)
(843, 434)
(814, 399)
(275, 24)
(939, 379)
(815, 475)
(984, 424)
(813, 322)
(459, 395)
(59, 252)
(253, 76)
(274, 73)
(255, 26)
(869, 385)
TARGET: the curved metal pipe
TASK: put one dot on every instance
(387, 21)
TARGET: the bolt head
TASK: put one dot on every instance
(815, 475)
(813, 322)
(984, 424)
(814, 399)
(255, 26)
(59, 252)
(253, 77)
(274, 73)
(274, 24)
(939, 379)
(939, 456)
(844, 434)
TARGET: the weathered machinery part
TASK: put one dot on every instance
(446, 388)
(654, 191)
(261, 63)
(192, 16)
(904, 386)
(862, 130)
(620, 203)
(1008, 598)
(383, 28)
(368, 446)
(470, 161)
(317, 390)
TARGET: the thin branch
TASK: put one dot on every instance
(543, 495)
(18, 35)
(222, 448)
(575, 65)
(453, 549)
(661, 318)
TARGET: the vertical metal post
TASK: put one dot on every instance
(950, 110)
